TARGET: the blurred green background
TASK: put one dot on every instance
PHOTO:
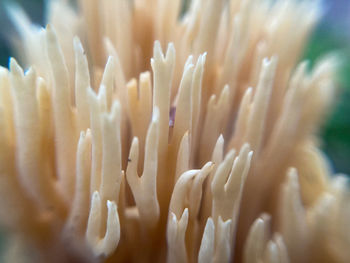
(332, 34)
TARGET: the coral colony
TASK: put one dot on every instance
(142, 133)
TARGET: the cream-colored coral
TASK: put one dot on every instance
(100, 161)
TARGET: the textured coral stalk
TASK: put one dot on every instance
(116, 146)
